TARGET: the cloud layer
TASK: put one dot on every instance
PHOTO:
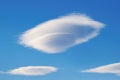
(111, 68)
(32, 70)
(59, 34)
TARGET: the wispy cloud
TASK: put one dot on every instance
(111, 68)
(59, 34)
(32, 70)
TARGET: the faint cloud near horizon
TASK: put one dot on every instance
(106, 69)
(60, 34)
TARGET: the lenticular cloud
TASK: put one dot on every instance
(59, 34)
(32, 70)
(110, 69)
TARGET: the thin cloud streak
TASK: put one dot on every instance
(32, 71)
(108, 69)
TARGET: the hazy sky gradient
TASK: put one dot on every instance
(19, 16)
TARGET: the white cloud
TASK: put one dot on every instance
(111, 68)
(32, 70)
(59, 34)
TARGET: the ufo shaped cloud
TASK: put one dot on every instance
(57, 35)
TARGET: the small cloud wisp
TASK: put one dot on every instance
(110, 69)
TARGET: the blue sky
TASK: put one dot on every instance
(19, 16)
